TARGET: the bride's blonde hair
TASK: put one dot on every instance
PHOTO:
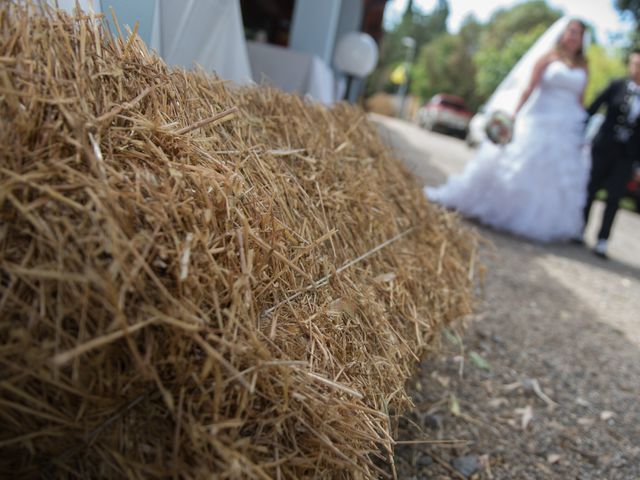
(579, 57)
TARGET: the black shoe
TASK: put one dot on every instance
(577, 241)
(600, 254)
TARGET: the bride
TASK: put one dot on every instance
(534, 186)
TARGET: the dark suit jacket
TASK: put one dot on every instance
(616, 98)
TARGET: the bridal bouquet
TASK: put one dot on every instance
(499, 128)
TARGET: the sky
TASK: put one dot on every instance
(610, 28)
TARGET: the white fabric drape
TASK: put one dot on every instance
(86, 5)
(208, 33)
(292, 71)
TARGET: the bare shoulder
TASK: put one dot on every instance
(546, 59)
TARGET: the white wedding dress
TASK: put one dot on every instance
(536, 185)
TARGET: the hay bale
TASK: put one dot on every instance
(201, 282)
(382, 103)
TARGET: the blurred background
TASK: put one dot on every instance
(419, 48)
(466, 48)
(430, 62)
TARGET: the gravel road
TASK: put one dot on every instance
(545, 381)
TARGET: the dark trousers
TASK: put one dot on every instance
(611, 169)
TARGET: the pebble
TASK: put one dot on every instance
(466, 465)
(433, 421)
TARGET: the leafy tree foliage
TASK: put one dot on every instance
(522, 18)
(493, 64)
(472, 63)
(446, 65)
(631, 7)
(602, 68)
(422, 27)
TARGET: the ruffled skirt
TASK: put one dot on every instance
(534, 187)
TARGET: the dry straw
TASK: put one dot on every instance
(198, 282)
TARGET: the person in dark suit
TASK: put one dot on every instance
(615, 146)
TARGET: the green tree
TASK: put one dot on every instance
(506, 38)
(471, 32)
(473, 62)
(602, 68)
(446, 65)
(421, 26)
(493, 64)
(505, 23)
(631, 7)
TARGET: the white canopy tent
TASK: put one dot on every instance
(293, 71)
(86, 5)
(204, 32)
(208, 33)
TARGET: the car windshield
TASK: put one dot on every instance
(451, 104)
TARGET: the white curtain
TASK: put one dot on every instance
(204, 32)
(292, 71)
(86, 5)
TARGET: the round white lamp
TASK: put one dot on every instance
(356, 55)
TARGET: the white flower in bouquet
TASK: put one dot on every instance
(499, 128)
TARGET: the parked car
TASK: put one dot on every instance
(445, 112)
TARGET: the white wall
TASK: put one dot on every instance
(314, 27)
(128, 12)
(87, 5)
(350, 19)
